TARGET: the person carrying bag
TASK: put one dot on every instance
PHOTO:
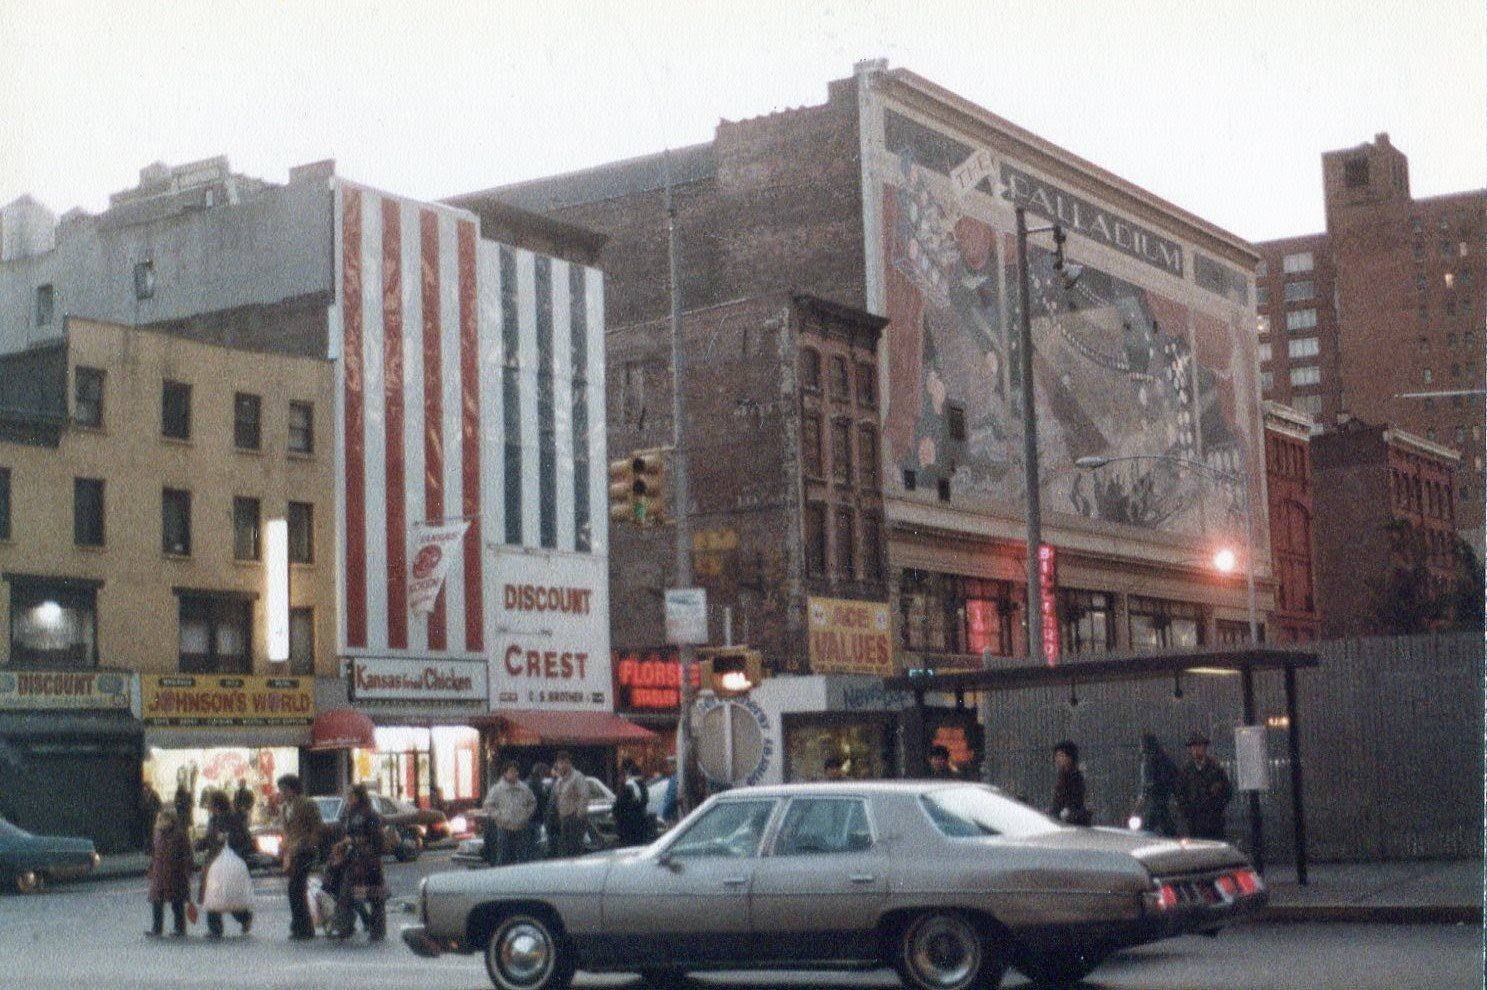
(226, 887)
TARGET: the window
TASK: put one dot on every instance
(841, 381)
(301, 428)
(846, 545)
(731, 830)
(46, 301)
(841, 451)
(872, 548)
(867, 456)
(1267, 381)
(867, 384)
(810, 369)
(955, 422)
(1309, 375)
(4, 503)
(87, 512)
(1450, 279)
(815, 539)
(1303, 347)
(1419, 251)
(1086, 621)
(1262, 269)
(632, 394)
(1461, 434)
(1232, 632)
(1301, 319)
(53, 623)
(175, 522)
(810, 444)
(942, 489)
(1355, 172)
(247, 432)
(1428, 376)
(302, 642)
(246, 540)
(975, 812)
(911, 479)
(144, 280)
(831, 826)
(215, 634)
(1301, 261)
(1262, 295)
(175, 410)
(948, 613)
(301, 533)
(1164, 625)
(87, 396)
(1265, 353)
(1299, 291)
(1309, 404)
(1455, 369)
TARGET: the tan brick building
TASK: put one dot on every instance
(138, 473)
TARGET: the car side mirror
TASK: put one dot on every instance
(668, 862)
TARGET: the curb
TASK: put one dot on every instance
(1376, 914)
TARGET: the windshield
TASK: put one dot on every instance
(970, 812)
(13, 831)
(330, 807)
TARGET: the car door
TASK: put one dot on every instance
(818, 892)
(689, 900)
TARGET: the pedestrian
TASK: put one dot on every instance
(1158, 780)
(1203, 791)
(509, 807)
(1068, 789)
(149, 812)
(835, 767)
(184, 808)
(243, 801)
(632, 819)
(670, 804)
(568, 808)
(436, 799)
(170, 873)
(539, 782)
(364, 889)
(226, 829)
(299, 846)
(940, 767)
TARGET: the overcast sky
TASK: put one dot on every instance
(1220, 107)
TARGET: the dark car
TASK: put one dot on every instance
(402, 837)
(28, 861)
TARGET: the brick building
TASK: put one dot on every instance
(893, 197)
(1388, 300)
(1384, 499)
(1288, 484)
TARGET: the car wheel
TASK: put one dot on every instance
(1064, 970)
(528, 952)
(944, 950)
(663, 979)
(29, 882)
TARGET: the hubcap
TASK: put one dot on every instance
(28, 882)
(944, 952)
(524, 953)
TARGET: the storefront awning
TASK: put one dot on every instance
(343, 728)
(571, 728)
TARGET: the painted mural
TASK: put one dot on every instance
(1121, 372)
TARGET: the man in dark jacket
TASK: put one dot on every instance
(1203, 791)
(1068, 790)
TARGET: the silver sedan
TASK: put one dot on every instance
(950, 884)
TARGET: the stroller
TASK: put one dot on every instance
(341, 899)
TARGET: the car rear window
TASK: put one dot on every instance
(973, 812)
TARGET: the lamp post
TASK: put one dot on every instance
(1221, 559)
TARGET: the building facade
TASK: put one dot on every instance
(1386, 529)
(895, 197)
(1288, 483)
(135, 518)
(1387, 302)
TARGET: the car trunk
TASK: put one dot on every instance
(1160, 856)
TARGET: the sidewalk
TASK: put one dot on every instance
(1428, 892)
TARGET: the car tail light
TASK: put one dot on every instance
(1227, 886)
(1162, 898)
(1249, 882)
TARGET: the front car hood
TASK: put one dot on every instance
(555, 876)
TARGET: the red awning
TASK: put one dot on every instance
(342, 728)
(572, 728)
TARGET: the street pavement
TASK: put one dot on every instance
(91, 934)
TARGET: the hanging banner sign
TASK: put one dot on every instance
(59, 689)
(433, 547)
(212, 700)
(849, 637)
(1048, 601)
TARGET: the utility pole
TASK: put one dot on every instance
(1029, 447)
(687, 653)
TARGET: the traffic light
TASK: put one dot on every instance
(731, 670)
(649, 487)
(622, 489)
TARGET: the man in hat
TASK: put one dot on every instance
(1203, 791)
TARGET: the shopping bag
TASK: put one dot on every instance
(228, 887)
(322, 904)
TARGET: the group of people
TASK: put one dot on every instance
(183, 806)
(352, 883)
(1201, 789)
(547, 813)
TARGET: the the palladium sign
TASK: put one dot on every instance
(394, 679)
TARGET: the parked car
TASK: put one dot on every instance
(601, 834)
(433, 825)
(949, 883)
(402, 837)
(28, 862)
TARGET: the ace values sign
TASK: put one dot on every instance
(849, 637)
(551, 649)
